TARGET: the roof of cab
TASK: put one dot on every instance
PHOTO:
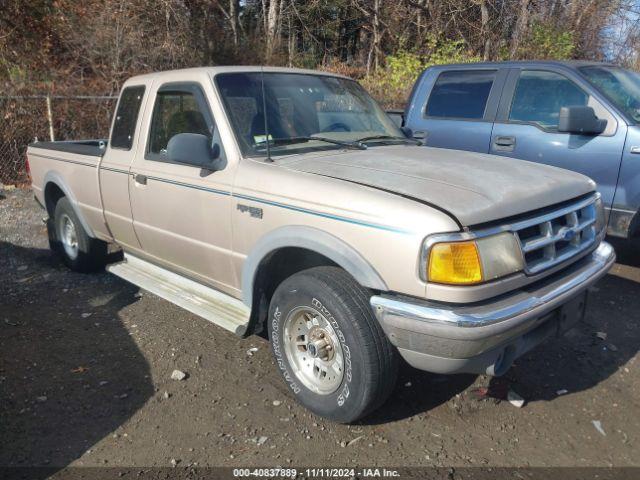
(232, 69)
(522, 63)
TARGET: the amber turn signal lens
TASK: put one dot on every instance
(456, 263)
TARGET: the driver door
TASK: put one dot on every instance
(527, 127)
(181, 213)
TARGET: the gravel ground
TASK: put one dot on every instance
(86, 364)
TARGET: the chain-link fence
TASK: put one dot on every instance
(46, 117)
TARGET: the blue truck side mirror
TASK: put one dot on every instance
(581, 120)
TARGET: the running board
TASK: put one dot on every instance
(217, 307)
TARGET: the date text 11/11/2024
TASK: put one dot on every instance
(316, 472)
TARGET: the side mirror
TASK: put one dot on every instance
(581, 120)
(407, 132)
(192, 149)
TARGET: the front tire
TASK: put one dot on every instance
(69, 240)
(328, 346)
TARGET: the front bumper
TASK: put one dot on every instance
(486, 337)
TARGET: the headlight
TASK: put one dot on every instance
(474, 261)
(601, 221)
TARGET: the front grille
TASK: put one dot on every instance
(555, 237)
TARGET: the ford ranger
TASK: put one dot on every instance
(286, 202)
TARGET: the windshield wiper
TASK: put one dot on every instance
(293, 140)
(389, 137)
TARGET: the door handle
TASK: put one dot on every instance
(420, 135)
(141, 179)
(504, 143)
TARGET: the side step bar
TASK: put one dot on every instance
(217, 307)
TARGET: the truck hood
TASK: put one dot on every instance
(472, 187)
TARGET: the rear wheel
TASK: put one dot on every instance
(328, 346)
(69, 239)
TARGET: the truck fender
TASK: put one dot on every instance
(311, 239)
(56, 179)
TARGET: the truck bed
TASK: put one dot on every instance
(93, 148)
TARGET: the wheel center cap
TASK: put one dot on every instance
(319, 347)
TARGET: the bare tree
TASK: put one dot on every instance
(520, 27)
(273, 26)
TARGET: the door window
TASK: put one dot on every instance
(539, 96)
(177, 109)
(124, 125)
(460, 94)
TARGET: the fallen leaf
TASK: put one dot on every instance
(598, 425)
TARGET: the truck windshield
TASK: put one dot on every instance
(620, 86)
(304, 112)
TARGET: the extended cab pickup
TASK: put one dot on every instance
(287, 201)
(582, 116)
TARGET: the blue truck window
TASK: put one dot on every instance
(539, 96)
(460, 94)
(124, 125)
(620, 86)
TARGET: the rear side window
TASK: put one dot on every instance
(540, 95)
(460, 94)
(124, 125)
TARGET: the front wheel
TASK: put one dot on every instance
(329, 348)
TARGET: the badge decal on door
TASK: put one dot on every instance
(255, 212)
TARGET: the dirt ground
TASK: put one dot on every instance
(86, 360)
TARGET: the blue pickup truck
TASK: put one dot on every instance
(582, 116)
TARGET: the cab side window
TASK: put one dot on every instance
(177, 109)
(460, 94)
(540, 94)
(124, 125)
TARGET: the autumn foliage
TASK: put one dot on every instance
(89, 47)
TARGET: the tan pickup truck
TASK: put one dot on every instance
(286, 202)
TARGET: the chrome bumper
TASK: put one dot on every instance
(461, 338)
